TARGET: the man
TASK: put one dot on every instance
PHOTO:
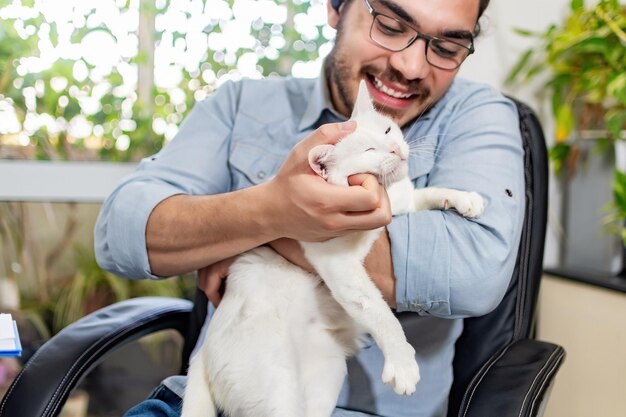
(228, 183)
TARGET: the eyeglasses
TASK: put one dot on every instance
(394, 35)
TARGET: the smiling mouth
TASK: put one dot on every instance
(380, 86)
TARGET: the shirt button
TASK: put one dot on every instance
(261, 174)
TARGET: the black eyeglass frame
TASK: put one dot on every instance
(418, 35)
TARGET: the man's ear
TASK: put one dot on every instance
(333, 15)
(320, 157)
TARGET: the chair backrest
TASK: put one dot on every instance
(513, 318)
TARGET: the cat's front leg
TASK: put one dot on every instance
(468, 204)
(350, 285)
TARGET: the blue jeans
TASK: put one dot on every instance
(163, 402)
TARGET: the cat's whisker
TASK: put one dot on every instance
(427, 149)
(423, 137)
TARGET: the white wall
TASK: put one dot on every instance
(497, 50)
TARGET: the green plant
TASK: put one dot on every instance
(125, 120)
(584, 58)
(132, 120)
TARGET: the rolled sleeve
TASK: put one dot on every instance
(127, 255)
(195, 162)
(419, 295)
(446, 265)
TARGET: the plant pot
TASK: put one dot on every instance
(587, 245)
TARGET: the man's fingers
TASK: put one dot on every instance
(365, 194)
(213, 287)
(211, 279)
(368, 181)
(331, 133)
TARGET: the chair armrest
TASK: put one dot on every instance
(514, 381)
(47, 379)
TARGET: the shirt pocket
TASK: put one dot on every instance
(251, 164)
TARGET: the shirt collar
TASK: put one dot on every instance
(320, 101)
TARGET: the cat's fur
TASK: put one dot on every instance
(277, 345)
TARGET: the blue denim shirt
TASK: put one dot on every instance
(447, 267)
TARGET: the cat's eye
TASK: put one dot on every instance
(388, 130)
(370, 149)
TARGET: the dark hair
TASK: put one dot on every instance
(481, 9)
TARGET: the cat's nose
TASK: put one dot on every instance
(394, 149)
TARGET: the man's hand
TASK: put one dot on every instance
(305, 207)
(212, 279)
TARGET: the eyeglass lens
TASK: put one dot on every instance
(396, 36)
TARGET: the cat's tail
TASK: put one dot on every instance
(198, 401)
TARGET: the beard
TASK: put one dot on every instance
(339, 71)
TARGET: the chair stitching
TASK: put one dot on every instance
(14, 384)
(551, 372)
(482, 376)
(534, 380)
(120, 331)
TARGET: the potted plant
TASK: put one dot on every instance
(583, 60)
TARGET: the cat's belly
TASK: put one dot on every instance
(264, 291)
(275, 325)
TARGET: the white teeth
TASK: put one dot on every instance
(393, 93)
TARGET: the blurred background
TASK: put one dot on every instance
(89, 87)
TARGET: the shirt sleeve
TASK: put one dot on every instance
(450, 266)
(194, 162)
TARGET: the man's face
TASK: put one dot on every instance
(391, 76)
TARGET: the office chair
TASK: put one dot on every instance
(499, 369)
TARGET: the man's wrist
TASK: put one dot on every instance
(263, 211)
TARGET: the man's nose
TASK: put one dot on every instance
(411, 62)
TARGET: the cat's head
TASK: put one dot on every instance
(377, 147)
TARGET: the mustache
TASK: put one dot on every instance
(414, 86)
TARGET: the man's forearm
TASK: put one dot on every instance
(185, 233)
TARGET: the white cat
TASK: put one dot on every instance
(278, 343)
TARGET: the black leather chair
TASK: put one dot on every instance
(499, 370)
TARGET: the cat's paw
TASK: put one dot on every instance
(401, 370)
(468, 204)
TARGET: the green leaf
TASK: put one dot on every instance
(577, 4)
(519, 66)
(564, 122)
(619, 190)
(526, 33)
(617, 87)
(558, 154)
(615, 120)
(592, 45)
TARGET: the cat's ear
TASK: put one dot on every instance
(363, 104)
(320, 157)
